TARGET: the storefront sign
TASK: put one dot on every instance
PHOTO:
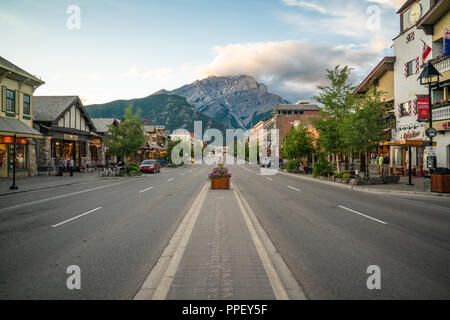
(410, 135)
(70, 137)
(423, 108)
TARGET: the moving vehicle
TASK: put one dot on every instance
(150, 166)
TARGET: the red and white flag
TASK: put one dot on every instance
(425, 52)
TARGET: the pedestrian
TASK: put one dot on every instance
(380, 163)
(386, 162)
(71, 167)
(59, 164)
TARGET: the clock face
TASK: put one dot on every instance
(415, 13)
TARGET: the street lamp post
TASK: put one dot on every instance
(14, 187)
(426, 78)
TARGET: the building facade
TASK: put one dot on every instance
(436, 23)
(410, 49)
(16, 119)
(67, 129)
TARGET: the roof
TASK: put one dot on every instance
(101, 124)
(49, 108)
(15, 126)
(9, 66)
(406, 5)
(300, 107)
(386, 64)
(435, 13)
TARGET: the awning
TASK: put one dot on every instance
(11, 126)
(407, 143)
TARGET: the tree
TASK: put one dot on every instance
(170, 145)
(299, 143)
(337, 100)
(127, 137)
(365, 124)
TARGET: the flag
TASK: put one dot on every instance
(446, 44)
(425, 52)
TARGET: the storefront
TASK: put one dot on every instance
(69, 147)
(399, 153)
(25, 163)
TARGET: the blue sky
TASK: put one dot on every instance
(129, 49)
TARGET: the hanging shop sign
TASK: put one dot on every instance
(423, 108)
(70, 137)
(410, 135)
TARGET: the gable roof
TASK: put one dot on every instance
(49, 108)
(52, 108)
(11, 67)
(101, 124)
(386, 64)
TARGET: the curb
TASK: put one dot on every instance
(366, 189)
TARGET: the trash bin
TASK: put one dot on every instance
(440, 180)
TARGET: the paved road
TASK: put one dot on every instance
(115, 246)
(328, 236)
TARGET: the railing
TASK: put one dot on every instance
(441, 113)
(443, 65)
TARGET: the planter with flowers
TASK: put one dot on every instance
(220, 178)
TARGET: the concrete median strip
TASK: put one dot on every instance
(282, 281)
(159, 281)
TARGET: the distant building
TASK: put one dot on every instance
(97, 149)
(287, 116)
(16, 118)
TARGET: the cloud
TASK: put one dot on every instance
(292, 68)
(159, 74)
(306, 5)
(396, 4)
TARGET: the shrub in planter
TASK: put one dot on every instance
(220, 178)
(346, 177)
(132, 168)
(292, 165)
(322, 168)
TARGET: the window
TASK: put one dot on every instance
(411, 68)
(10, 101)
(21, 156)
(404, 110)
(26, 105)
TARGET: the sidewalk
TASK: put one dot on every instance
(26, 184)
(220, 253)
(400, 188)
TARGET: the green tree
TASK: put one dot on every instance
(126, 138)
(337, 100)
(299, 143)
(170, 145)
(364, 127)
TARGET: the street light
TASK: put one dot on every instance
(426, 78)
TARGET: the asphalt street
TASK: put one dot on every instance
(329, 236)
(115, 230)
(115, 246)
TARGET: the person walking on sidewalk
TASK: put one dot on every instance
(386, 162)
(71, 167)
(380, 163)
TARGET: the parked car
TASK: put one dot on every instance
(152, 166)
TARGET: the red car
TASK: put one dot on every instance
(152, 166)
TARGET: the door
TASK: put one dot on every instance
(3, 161)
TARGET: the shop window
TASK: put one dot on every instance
(411, 68)
(26, 105)
(21, 156)
(10, 101)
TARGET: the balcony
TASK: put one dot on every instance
(442, 64)
(441, 113)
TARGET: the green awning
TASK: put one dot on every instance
(11, 126)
